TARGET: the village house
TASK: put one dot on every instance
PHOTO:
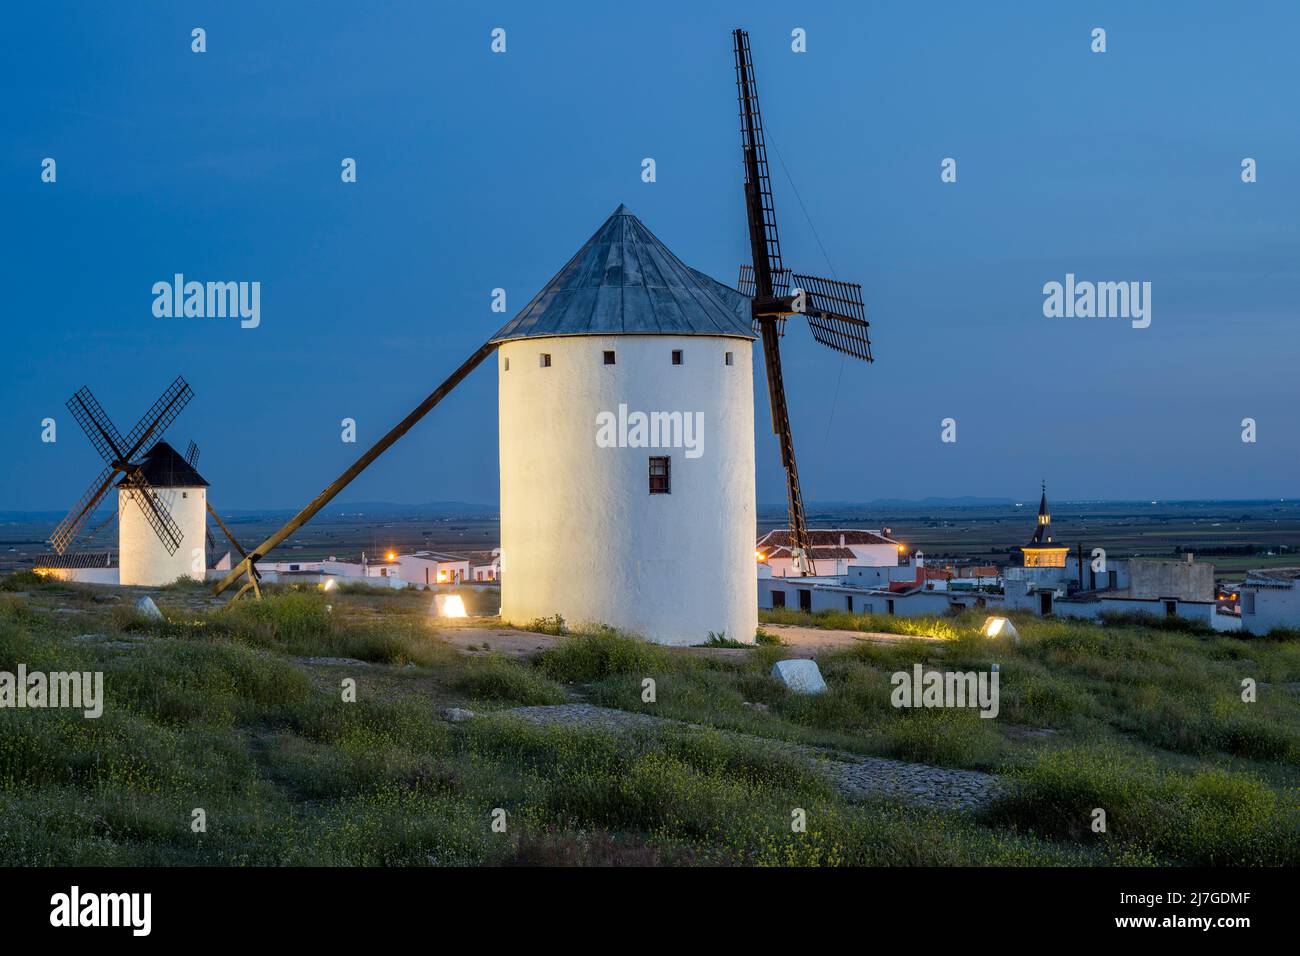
(1270, 599)
(833, 550)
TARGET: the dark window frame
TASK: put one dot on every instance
(545, 360)
(679, 357)
(661, 482)
(610, 357)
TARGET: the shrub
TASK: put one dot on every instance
(591, 657)
(496, 678)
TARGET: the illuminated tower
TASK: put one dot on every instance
(1041, 552)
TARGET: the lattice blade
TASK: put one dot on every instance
(192, 454)
(155, 511)
(745, 284)
(99, 428)
(68, 528)
(836, 315)
(154, 422)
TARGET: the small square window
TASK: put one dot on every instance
(545, 361)
(677, 356)
(609, 357)
(660, 476)
(505, 364)
(728, 360)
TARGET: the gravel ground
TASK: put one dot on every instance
(855, 776)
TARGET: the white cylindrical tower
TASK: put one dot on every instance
(143, 556)
(627, 447)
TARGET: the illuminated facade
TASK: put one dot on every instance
(1041, 552)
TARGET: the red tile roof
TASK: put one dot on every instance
(824, 537)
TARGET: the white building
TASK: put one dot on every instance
(1270, 599)
(143, 557)
(833, 550)
(431, 568)
(627, 446)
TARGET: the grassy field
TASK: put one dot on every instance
(217, 708)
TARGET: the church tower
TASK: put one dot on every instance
(1041, 552)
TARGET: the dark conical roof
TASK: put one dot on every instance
(624, 281)
(164, 468)
(1043, 530)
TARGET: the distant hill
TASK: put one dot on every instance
(965, 501)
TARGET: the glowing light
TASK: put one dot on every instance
(390, 556)
(442, 576)
(449, 605)
(902, 548)
(329, 585)
(995, 627)
(760, 556)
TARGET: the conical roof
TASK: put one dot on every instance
(624, 281)
(164, 468)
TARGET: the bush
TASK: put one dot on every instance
(496, 678)
(590, 657)
(1207, 818)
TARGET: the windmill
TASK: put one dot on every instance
(626, 321)
(833, 309)
(162, 499)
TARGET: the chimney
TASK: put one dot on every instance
(841, 539)
(1190, 557)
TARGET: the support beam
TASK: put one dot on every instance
(378, 448)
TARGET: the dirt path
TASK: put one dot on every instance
(855, 776)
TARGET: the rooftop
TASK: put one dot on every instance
(824, 537)
(164, 468)
(624, 281)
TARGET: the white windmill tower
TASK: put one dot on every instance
(627, 446)
(146, 557)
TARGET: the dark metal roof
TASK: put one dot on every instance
(164, 468)
(624, 281)
(82, 559)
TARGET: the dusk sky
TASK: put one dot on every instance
(478, 170)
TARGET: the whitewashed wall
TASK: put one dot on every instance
(143, 558)
(580, 534)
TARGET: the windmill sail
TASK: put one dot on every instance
(836, 315)
(118, 452)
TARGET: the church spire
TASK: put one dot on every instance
(1043, 532)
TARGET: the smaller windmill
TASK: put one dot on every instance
(162, 499)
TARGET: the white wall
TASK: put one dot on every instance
(1274, 607)
(83, 575)
(421, 571)
(142, 557)
(580, 534)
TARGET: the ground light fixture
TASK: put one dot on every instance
(1000, 627)
(449, 605)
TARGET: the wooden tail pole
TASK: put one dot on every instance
(246, 566)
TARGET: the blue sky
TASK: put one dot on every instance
(478, 170)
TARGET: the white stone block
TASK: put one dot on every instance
(150, 610)
(800, 676)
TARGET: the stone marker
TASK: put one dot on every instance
(150, 610)
(457, 714)
(800, 676)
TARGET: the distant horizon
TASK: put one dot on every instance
(449, 507)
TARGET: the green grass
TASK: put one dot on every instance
(215, 708)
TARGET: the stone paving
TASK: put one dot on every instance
(854, 775)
